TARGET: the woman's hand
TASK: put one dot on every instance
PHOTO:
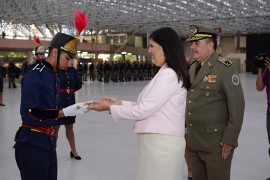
(112, 100)
(100, 106)
(105, 103)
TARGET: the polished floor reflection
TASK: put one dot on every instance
(109, 149)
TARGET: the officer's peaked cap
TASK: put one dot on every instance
(200, 32)
(66, 43)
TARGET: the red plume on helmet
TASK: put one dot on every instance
(80, 21)
(37, 40)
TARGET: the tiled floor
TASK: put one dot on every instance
(109, 149)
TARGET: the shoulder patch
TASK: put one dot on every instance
(225, 61)
(235, 79)
(39, 67)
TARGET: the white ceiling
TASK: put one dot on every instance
(46, 17)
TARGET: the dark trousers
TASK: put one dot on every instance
(91, 74)
(268, 129)
(11, 81)
(36, 163)
(209, 166)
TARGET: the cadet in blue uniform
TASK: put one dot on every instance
(70, 83)
(35, 140)
(39, 57)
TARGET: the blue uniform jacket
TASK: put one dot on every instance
(69, 83)
(39, 105)
(69, 79)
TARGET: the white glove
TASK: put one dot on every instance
(76, 109)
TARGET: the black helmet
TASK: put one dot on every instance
(66, 43)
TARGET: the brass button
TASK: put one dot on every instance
(207, 87)
(192, 90)
(215, 130)
(189, 113)
(207, 93)
(189, 101)
(30, 110)
(190, 124)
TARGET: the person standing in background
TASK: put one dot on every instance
(92, 71)
(39, 57)
(25, 67)
(263, 80)
(40, 53)
(85, 68)
(2, 75)
(215, 108)
(11, 72)
(70, 82)
(3, 34)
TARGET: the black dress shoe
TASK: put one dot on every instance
(75, 157)
(2, 105)
(189, 177)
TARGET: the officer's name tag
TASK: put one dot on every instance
(210, 78)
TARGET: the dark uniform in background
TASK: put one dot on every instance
(214, 112)
(92, 72)
(25, 67)
(85, 68)
(80, 70)
(100, 73)
(135, 70)
(39, 57)
(35, 140)
(13, 72)
(129, 68)
(107, 69)
(122, 71)
(115, 71)
(70, 82)
(3, 72)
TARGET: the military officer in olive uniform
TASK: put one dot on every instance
(215, 108)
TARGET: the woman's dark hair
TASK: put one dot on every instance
(175, 58)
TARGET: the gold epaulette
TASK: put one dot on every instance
(225, 61)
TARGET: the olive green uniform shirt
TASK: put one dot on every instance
(215, 105)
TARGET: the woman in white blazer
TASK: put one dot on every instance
(159, 112)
